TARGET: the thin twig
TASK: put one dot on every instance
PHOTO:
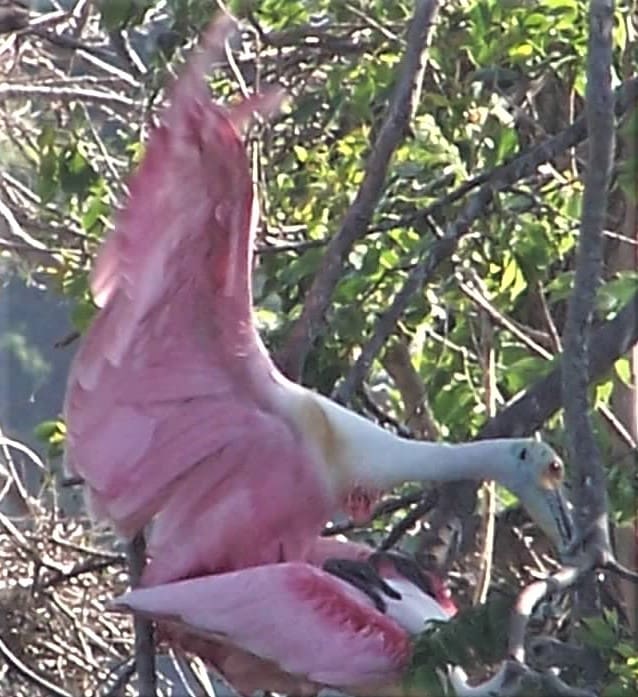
(31, 675)
(10, 90)
(489, 515)
(144, 641)
(499, 318)
(86, 567)
(557, 344)
(424, 506)
(384, 508)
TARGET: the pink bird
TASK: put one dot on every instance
(176, 415)
(293, 628)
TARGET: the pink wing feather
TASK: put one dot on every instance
(297, 617)
(169, 400)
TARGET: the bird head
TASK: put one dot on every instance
(536, 476)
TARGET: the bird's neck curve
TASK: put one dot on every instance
(357, 452)
(404, 460)
(372, 456)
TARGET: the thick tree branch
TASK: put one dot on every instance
(358, 216)
(587, 471)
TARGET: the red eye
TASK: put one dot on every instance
(555, 468)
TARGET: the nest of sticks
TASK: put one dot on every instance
(56, 633)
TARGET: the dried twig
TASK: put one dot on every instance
(489, 488)
(10, 90)
(31, 675)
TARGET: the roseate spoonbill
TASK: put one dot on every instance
(294, 628)
(176, 413)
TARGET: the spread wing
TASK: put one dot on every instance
(170, 396)
(297, 617)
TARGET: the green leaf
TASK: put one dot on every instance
(522, 51)
(603, 392)
(48, 176)
(82, 315)
(300, 152)
(623, 370)
(45, 430)
(524, 371)
(509, 274)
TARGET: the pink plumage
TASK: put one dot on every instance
(171, 400)
(292, 627)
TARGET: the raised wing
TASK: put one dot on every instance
(170, 398)
(292, 615)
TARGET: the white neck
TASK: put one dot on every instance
(404, 460)
(370, 455)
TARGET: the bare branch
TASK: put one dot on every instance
(10, 90)
(587, 471)
(416, 407)
(357, 218)
(144, 642)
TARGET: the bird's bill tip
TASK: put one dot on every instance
(561, 519)
(550, 510)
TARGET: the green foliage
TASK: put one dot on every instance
(119, 14)
(607, 635)
(474, 638)
(53, 434)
